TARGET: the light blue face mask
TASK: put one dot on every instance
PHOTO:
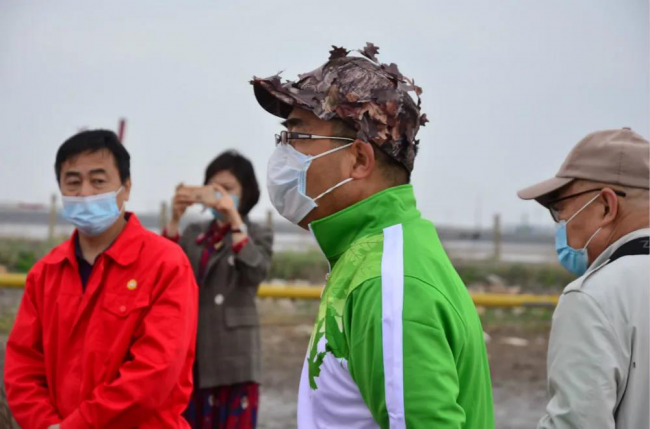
(573, 260)
(92, 215)
(217, 214)
(286, 181)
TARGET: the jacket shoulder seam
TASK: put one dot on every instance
(602, 312)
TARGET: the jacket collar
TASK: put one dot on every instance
(337, 232)
(124, 250)
(603, 258)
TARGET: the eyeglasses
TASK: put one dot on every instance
(285, 137)
(555, 212)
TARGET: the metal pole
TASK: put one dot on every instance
(267, 290)
(163, 215)
(52, 224)
(121, 130)
(497, 237)
(269, 219)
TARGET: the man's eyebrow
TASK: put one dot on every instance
(98, 171)
(72, 174)
(292, 122)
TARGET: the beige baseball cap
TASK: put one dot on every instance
(619, 157)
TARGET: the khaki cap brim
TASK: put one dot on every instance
(538, 191)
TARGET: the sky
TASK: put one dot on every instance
(510, 86)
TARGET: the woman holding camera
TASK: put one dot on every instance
(231, 257)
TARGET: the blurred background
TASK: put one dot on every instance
(509, 86)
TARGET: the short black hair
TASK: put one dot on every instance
(242, 169)
(94, 141)
(393, 171)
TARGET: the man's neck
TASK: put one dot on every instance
(625, 226)
(92, 247)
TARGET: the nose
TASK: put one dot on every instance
(86, 189)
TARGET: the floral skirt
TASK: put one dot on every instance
(224, 407)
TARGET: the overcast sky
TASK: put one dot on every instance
(509, 86)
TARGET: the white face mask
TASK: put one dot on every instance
(286, 181)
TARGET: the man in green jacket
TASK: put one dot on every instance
(398, 342)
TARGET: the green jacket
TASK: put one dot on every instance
(398, 342)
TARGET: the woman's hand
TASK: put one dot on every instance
(183, 198)
(226, 206)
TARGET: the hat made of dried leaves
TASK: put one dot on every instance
(371, 97)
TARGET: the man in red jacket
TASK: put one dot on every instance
(105, 334)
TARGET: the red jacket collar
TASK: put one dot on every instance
(124, 250)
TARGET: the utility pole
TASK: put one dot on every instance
(269, 219)
(52, 224)
(163, 215)
(121, 130)
(496, 236)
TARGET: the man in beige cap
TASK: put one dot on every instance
(598, 351)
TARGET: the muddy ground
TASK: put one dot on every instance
(516, 347)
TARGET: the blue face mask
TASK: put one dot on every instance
(217, 214)
(573, 260)
(92, 215)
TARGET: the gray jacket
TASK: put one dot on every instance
(228, 337)
(598, 352)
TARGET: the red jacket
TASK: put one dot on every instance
(118, 355)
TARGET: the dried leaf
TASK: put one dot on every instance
(338, 52)
(368, 128)
(352, 97)
(305, 97)
(332, 100)
(370, 52)
(392, 107)
(316, 74)
(385, 95)
(393, 70)
(376, 112)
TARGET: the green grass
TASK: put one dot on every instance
(19, 255)
(526, 319)
(532, 278)
(307, 266)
